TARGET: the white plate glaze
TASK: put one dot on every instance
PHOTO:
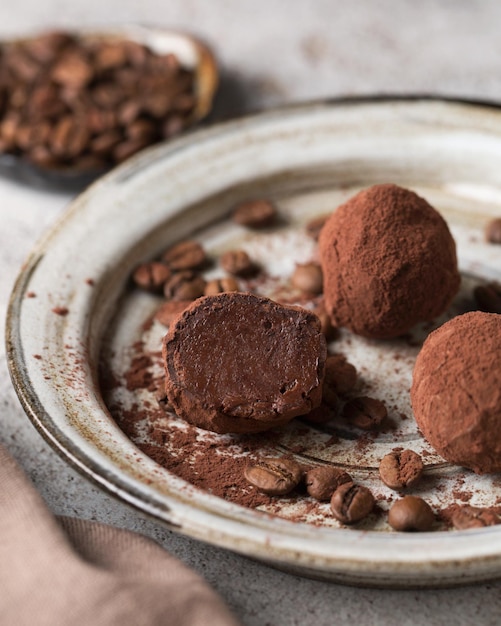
(307, 158)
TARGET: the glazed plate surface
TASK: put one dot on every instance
(307, 159)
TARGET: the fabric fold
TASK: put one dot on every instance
(61, 571)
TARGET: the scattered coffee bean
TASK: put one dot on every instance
(411, 514)
(184, 286)
(238, 263)
(351, 502)
(170, 310)
(321, 482)
(488, 297)
(275, 477)
(185, 255)
(151, 276)
(220, 285)
(493, 231)
(314, 226)
(399, 470)
(465, 517)
(340, 375)
(308, 278)
(64, 98)
(255, 214)
(364, 412)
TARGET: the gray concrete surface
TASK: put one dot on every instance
(272, 52)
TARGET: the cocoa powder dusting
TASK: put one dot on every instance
(139, 375)
(373, 284)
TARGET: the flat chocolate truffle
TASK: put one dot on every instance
(239, 363)
(389, 261)
(456, 391)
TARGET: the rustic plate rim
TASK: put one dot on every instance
(34, 408)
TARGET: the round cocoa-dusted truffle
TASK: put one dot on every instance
(240, 363)
(388, 260)
(456, 391)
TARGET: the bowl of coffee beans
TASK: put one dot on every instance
(74, 105)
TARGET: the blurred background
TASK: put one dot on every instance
(278, 51)
(271, 53)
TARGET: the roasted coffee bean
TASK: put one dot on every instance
(107, 95)
(474, 517)
(137, 54)
(321, 482)
(110, 56)
(8, 130)
(255, 214)
(47, 47)
(351, 502)
(186, 255)
(364, 412)
(275, 477)
(184, 286)
(314, 226)
(100, 121)
(85, 89)
(156, 104)
(308, 278)
(29, 137)
(104, 143)
(340, 376)
(488, 297)
(172, 126)
(21, 64)
(170, 310)
(45, 102)
(401, 469)
(73, 70)
(141, 129)
(493, 231)
(69, 138)
(220, 285)
(40, 155)
(128, 112)
(238, 263)
(151, 276)
(127, 148)
(411, 514)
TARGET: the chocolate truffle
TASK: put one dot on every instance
(389, 261)
(456, 391)
(240, 363)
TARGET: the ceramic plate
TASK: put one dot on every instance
(72, 308)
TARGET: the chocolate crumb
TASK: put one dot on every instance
(60, 310)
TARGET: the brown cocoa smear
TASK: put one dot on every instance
(239, 363)
(456, 391)
(389, 262)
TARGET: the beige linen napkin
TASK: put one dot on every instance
(72, 572)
